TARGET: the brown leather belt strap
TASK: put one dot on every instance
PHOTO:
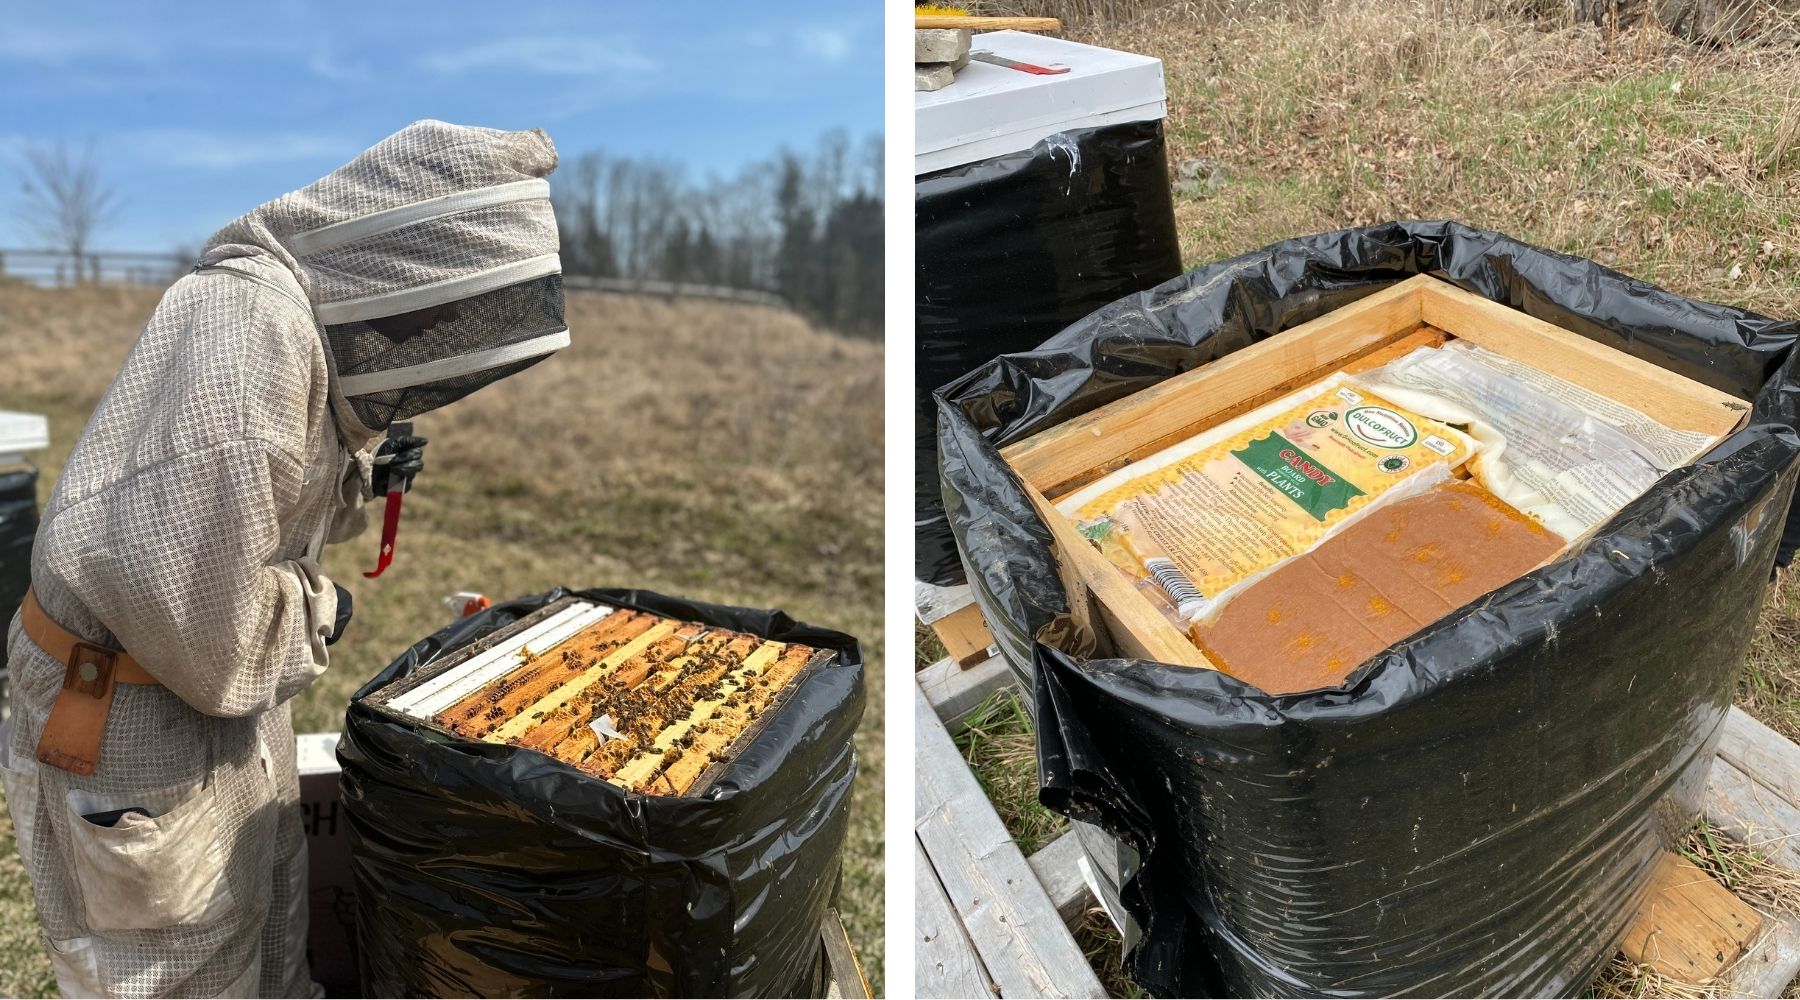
(77, 722)
(59, 642)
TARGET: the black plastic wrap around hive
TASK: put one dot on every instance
(485, 869)
(1013, 248)
(1478, 811)
(18, 529)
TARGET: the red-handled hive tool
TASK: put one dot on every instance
(390, 518)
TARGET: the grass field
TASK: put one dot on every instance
(719, 452)
(1668, 161)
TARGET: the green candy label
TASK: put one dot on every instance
(1316, 489)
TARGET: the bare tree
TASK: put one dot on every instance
(66, 200)
(874, 166)
(805, 225)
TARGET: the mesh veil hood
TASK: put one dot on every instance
(430, 262)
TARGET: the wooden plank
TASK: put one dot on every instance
(1673, 399)
(954, 692)
(1750, 797)
(1748, 810)
(1061, 457)
(1058, 868)
(1771, 964)
(1762, 753)
(944, 960)
(993, 23)
(1018, 933)
(933, 602)
(847, 978)
(1135, 625)
(1424, 336)
(965, 636)
(1690, 928)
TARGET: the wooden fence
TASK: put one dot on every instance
(113, 267)
(673, 289)
(123, 267)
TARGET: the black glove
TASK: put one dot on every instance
(397, 461)
(343, 615)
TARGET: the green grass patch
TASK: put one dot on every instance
(996, 739)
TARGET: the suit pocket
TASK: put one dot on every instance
(151, 861)
(21, 787)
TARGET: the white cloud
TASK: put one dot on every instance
(28, 43)
(329, 67)
(217, 151)
(557, 56)
(829, 44)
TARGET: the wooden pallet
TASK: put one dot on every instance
(965, 636)
(992, 922)
(846, 980)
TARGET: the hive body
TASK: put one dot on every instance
(648, 703)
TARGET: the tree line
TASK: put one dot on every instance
(805, 225)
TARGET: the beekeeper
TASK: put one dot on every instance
(178, 602)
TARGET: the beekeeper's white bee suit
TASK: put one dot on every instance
(186, 532)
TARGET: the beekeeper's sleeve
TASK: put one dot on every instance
(200, 600)
(187, 559)
(353, 492)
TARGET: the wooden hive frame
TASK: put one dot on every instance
(1370, 331)
(687, 696)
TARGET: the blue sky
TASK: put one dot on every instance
(200, 112)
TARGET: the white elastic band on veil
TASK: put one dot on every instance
(350, 230)
(465, 364)
(436, 294)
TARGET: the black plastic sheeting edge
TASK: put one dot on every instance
(1012, 249)
(1478, 811)
(18, 529)
(490, 870)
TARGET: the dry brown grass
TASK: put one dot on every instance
(1770, 688)
(1084, 19)
(1671, 162)
(719, 452)
(1103, 948)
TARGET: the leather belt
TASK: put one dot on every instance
(77, 722)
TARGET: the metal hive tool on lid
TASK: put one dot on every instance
(651, 704)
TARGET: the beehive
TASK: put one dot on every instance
(1058, 462)
(651, 704)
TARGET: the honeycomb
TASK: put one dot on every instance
(677, 694)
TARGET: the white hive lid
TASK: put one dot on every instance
(991, 110)
(316, 753)
(21, 432)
